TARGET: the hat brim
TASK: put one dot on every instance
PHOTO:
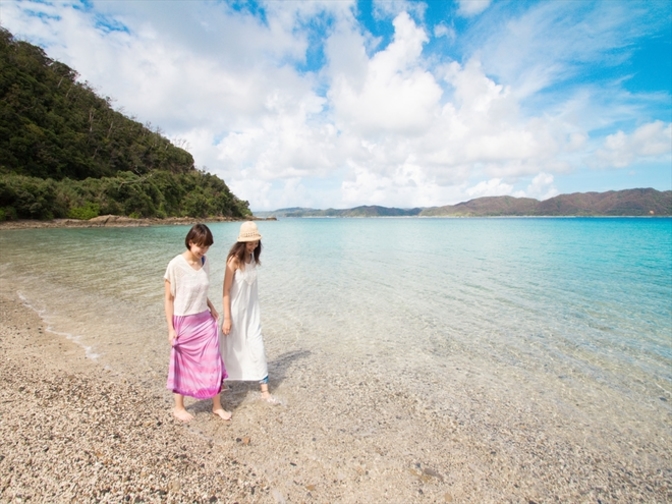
(243, 239)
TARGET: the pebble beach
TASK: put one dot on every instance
(74, 432)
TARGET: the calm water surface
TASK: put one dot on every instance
(575, 313)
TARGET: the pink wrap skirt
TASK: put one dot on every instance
(196, 365)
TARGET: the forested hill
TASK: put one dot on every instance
(65, 152)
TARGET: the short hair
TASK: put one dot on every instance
(199, 235)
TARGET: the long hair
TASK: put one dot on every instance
(238, 251)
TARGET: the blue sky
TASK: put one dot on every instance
(396, 103)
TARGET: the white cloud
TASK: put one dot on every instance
(383, 9)
(408, 182)
(553, 42)
(275, 196)
(392, 92)
(259, 193)
(469, 8)
(492, 187)
(649, 141)
(482, 125)
(541, 187)
(443, 30)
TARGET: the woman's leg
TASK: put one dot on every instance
(179, 411)
(218, 410)
(265, 394)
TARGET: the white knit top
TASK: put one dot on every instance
(188, 286)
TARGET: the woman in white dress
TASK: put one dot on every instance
(243, 344)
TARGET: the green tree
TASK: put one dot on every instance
(65, 151)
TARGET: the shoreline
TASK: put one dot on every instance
(119, 221)
(122, 221)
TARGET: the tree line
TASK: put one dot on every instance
(65, 152)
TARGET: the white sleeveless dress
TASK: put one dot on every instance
(243, 348)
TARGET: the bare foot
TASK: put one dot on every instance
(182, 415)
(224, 415)
(266, 396)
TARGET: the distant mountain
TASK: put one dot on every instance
(629, 202)
(284, 212)
(378, 211)
(360, 211)
(489, 206)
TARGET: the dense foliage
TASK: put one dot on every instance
(65, 152)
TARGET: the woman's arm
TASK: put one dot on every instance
(212, 309)
(169, 307)
(226, 295)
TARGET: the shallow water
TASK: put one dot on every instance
(573, 316)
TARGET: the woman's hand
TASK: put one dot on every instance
(169, 305)
(213, 311)
(226, 326)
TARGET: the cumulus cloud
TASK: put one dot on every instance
(443, 30)
(541, 187)
(479, 128)
(492, 187)
(648, 142)
(392, 92)
(407, 182)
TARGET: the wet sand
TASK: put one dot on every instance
(73, 431)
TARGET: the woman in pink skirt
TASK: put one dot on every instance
(196, 366)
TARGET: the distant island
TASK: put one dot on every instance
(625, 203)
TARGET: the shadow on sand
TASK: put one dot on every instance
(238, 391)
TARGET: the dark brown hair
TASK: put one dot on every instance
(199, 235)
(238, 251)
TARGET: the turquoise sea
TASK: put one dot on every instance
(570, 315)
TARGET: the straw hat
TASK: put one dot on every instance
(248, 232)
